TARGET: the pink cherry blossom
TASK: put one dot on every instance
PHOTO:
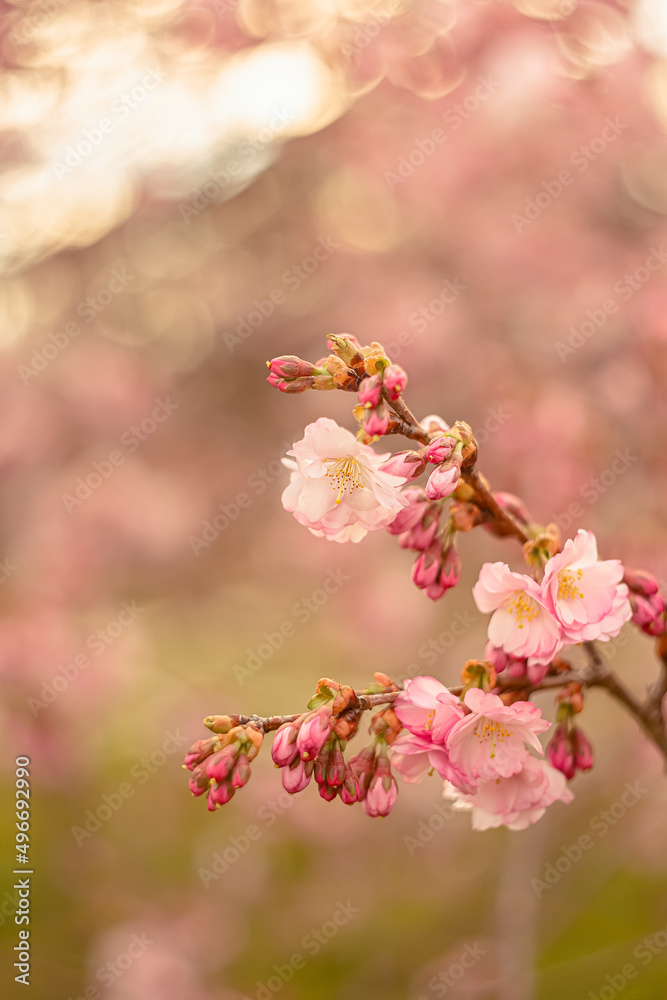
(337, 487)
(415, 755)
(490, 741)
(518, 800)
(427, 708)
(585, 595)
(521, 624)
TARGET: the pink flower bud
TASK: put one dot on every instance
(241, 772)
(443, 480)
(349, 790)
(289, 366)
(295, 385)
(314, 732)
(199, 751)
(427, 566)
(376, 422)
(321, 765)
(559, 752)
(449, 574)
(219, 794)
(423, 533)
(336, 769)
(370, 392)
(297, 776)
(519, 668)
(648, 613)
(410, 514)
(513, 505)
(363, 769)
(382, 791)
(220, 765)
(583, 751)
(440, 449)
(327, 792)
(394, 380)
(640, 582)
(408, 464)
(496, 656)
(284, 748)
(199, 781)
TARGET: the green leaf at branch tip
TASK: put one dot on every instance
(320, 699)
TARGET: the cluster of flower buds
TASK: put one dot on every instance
(387, 383)
(306, 746)
(648, 605)
(221, 764)
(349, 364)
(437, 569)
(377, 785)
(569, 749)
(418, 525)
(516, 667)
(446, 453)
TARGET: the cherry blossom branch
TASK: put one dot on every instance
(412, 427)
(431, 725)
(648, 714)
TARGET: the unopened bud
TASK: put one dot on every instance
(394, 380)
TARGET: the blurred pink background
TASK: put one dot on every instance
(487, 187)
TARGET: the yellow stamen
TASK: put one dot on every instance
(522, 606)
(488, 729)
(344, 472)
(567, 584)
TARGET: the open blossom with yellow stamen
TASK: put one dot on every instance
(585, 594)
(521, 624)
(492, 740)
(337, 488)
